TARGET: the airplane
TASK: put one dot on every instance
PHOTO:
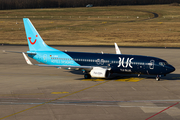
(96, 65)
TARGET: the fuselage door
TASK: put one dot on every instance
(45, 58)
(151, 64)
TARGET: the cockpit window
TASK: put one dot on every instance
(163, 63)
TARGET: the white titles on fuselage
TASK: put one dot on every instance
(125, 64)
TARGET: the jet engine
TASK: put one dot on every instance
(99, 72)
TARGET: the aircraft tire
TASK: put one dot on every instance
(87, 76)
(157, 78)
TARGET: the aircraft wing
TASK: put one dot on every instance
(88, 68)
(62, 66)
(65, 66)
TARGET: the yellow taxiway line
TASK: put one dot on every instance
(132, 79)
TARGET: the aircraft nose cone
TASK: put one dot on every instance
(171, 69)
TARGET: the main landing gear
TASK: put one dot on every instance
(87, 76)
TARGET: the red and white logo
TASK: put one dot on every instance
(31, 41)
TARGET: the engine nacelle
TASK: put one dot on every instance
(99, 72)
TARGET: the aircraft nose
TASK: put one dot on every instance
(170, 69)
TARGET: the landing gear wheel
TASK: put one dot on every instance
(157, 78)
(87, 76)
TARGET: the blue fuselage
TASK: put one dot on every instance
(119, 63)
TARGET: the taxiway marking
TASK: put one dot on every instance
(132, 79)
(53, 100)
(133, 88)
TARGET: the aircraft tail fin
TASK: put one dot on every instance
(35, 42)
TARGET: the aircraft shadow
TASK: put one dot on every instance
(171, 77)
(77, 72)
(167, 77)
(126, 76)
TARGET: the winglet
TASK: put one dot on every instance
(117, 49)
(27, 59)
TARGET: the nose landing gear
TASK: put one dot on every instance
(158, 77)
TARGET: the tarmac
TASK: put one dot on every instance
(47, 93)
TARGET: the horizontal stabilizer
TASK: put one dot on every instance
(20, 52)
(27, 59)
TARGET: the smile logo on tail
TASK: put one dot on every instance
(31, 41)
